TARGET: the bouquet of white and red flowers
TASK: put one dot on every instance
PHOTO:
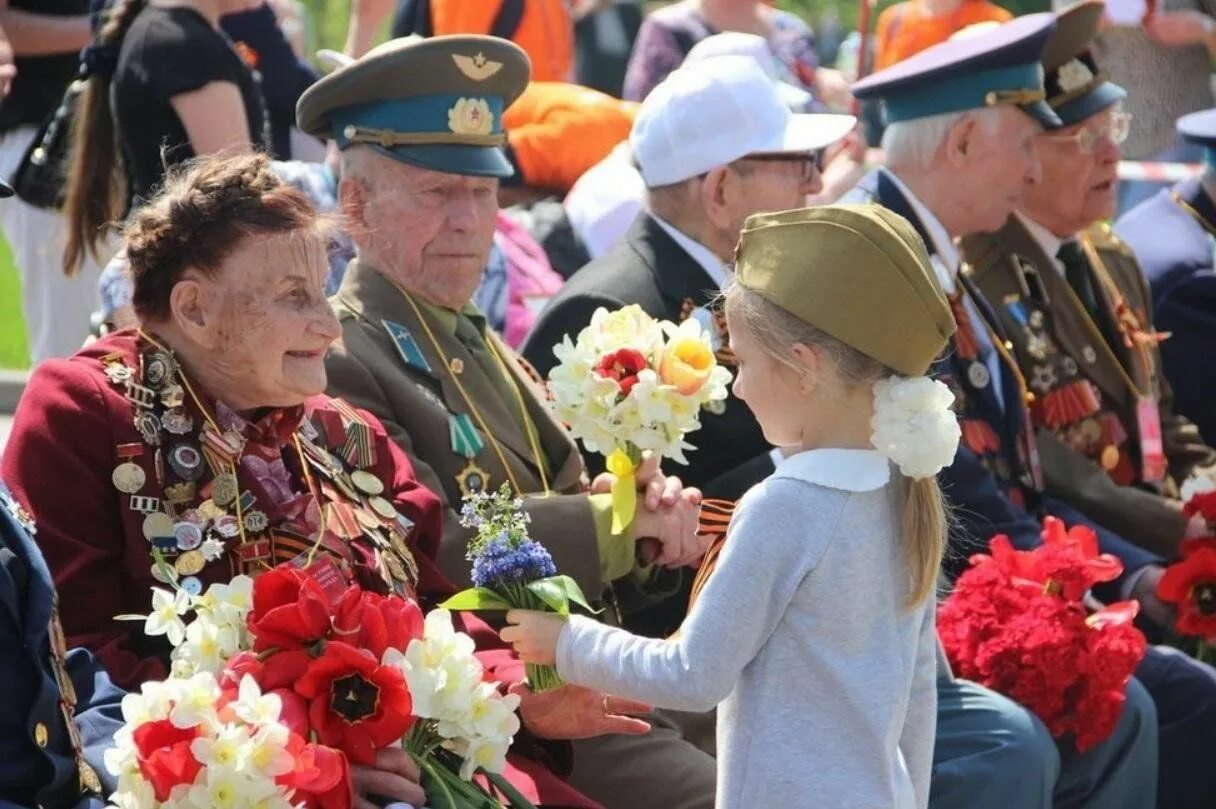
(276, 688)
(631, 384)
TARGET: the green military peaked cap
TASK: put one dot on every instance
(1076, 87)
(435, 103)
(860, 273)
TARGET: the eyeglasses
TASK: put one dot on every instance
(808, 163)
(1087, 139)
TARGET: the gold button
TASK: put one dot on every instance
(41, 734)
(457, 366)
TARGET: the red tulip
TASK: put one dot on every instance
(290, 610)
(165, 760)
(1191, 584)
(623, 367)
(370, 621)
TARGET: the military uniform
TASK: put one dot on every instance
(453, 396)
(1099, 394)
(1173, 234)
(61, 709)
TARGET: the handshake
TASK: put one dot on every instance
(668, 517)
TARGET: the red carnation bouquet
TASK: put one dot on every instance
(1016, 623)
(277, 687)
(1190, 583)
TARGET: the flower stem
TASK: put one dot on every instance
(542, 678)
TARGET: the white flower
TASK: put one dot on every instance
(229, 789)
(1196, 484)
(230, 748)
(207, 647)
(253, 706)
(227, 604)
(486, 754)
(914, 425)
(196, 700)
(268, 754)
(166, 617)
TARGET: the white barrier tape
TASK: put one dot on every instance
(1158, 172)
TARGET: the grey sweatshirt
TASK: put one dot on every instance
(824, 683)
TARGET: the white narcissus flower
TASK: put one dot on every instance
(229, 789)
(230, 603)
(268, 754)
(486, 754)
(915, 425)
(207, 646)
(195, 701)
(253, 706)
(166, 617)
(228, 749)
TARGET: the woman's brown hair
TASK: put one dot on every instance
(97, 192)
(925, 520)
(207, 207)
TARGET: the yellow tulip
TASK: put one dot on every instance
(686, 365)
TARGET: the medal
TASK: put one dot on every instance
(118, 373)
(457, 366)
(128, 477)
(172, 397)
(161, 575)
(211, 549)
(1036, 346)
(177, 422)
(157, 368)
(472, 479)
(978, 375)
(187, 462)
(256, 522)
(191, 585)
(224, 489)
(149, 428)
(367, 519)
(1070, 366)
(159, 525)
(1110, 457)
(406, 346)
(227, 526)
(1036, 319)
(1044, 378)
(1089, 355)
(189, 563)
(179, 494)
(366, 482)
(188, 535)
(382, 507)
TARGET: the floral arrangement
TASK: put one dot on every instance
(631, 384)
(511, 570)
(1015, 622)
(275, 688)
(1190, 583)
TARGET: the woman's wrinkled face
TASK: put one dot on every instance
(267, 323)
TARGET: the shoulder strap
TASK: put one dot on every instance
(506, 22)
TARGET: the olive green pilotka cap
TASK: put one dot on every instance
(860, 273)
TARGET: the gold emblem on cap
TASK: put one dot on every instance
(477, 68)
(1074, 75)
(471, 116)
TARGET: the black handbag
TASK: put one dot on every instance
(41, 177)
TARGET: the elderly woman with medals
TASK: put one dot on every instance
(201, 442)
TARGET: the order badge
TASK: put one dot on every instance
(1152, 451)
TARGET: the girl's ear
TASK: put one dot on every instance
(810, 362)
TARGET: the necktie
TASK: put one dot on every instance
(470, 331)
(1076, 272)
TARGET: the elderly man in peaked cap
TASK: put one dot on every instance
(962, 118)
(419, 123)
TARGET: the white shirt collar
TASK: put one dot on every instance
(945, 254)
(849, 470)
(1049, 241)
(701, 254)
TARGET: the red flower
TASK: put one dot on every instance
(1201, 503)
(623, 367)
(355, 704)
(370, 621)
(290, 610)
(321, 776)
(165, 760)
(1191, 584)
(1190, 546)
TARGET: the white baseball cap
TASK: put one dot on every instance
(737, 43)
(717, 111)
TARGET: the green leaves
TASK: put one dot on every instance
(476, 598)
(557, 592)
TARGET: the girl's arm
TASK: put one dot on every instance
(214, 118)
(775, 540)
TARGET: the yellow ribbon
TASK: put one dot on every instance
(624, 489)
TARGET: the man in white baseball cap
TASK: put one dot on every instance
(714, 143)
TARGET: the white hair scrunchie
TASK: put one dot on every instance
(914, 423)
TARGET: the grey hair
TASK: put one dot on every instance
(913, 144)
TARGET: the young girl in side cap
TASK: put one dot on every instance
(814, 635)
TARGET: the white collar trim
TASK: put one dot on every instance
(699, 253)
(850, 470)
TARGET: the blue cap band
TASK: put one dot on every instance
(1209, 157)
(431, 114)
(965, 92)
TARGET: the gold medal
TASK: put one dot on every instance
(1110, 457)
(382, 507)
(472, 479)
(366, 482)
(158, 525)
(189, 563)
(224, 489)
(367, 519)
(128, 477)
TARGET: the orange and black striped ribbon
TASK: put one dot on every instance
(713, 521)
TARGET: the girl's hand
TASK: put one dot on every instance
(534, 635)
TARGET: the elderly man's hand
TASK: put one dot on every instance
(675, 529)
(394, 777)
(573, 712)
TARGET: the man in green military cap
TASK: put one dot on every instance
(419, 124)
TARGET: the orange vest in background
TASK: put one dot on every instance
(545, 30)
(907, 28)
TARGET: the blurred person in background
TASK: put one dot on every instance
(44, 41)
(909, 27)
(668, 34)
(168, 85)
